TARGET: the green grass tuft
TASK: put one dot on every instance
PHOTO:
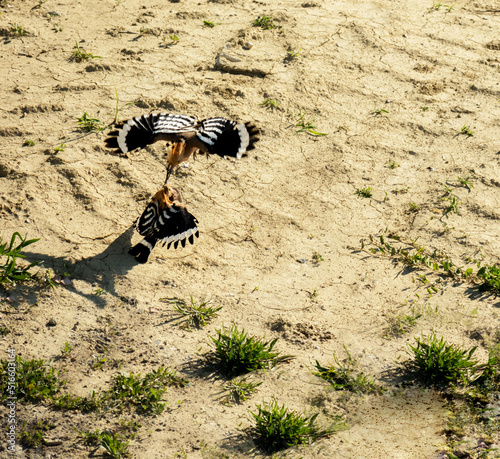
(276, 428)
(236, 353)
(239, 389)
(436, 363)
(345, 375)
(195, 315)
(10, 272)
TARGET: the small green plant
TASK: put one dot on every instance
(436, 363)
(99, 362)
(489, 380)
(466, 130)
(453, 205)
(392, 164)
(490, 275)
(436, 6)
(466, 182)
(90, 404)
(35, 380)
(66, 349)
(128, 391)
(414, 207)
(424, 109)
(265, 23)
(379, 112)
(89, 124)
(16, 30)
(144, 393)
(364, 192)
(32, 434)
(113, 443)
(291, 54)
(80, 55)
(269, 103)
(236, 353)
(10, 272)
(307, 125)
(208, 24)
(317, 257)
(341, 375)
(99, 292)
(174, 38)
(57, 28)
(277, 428)
(400, 324)
(452, 200)
(196, 315)
(60, 148)
(28, 143)
(239, 389)
(416, 256)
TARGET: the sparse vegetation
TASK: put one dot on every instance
(416, 256)
(392, 164)
(379, 112)
(88, 124)
(32, 434)
(490, 275)
(291, 54)
(235, 353)
(453, 202)
(344, 375)
(364, 192)
(466, 130)
(66, 349)
(113, 443)
(265, 23)
(317, 257)
(80, 55)
(28, 143)
(17, 30)
(10, 272)
(36, 381)
(239, 389)
(208, 24)
(306, 125)
(195, 315)
(436, 6)
(400, 324)
(277, 428)
(61, 147)
(269, 103)
(128, 391)
(466, 182)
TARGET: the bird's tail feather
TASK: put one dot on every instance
(142, 250)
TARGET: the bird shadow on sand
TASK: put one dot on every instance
(101, 270)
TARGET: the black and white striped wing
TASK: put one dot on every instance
(170, 225)
(147, 129)
(227, 138)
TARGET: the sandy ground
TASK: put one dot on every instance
(280, 229)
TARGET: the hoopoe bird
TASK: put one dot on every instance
(166, 219)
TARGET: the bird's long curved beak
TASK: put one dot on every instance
(169, 171)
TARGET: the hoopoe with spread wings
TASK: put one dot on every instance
(166, 218)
